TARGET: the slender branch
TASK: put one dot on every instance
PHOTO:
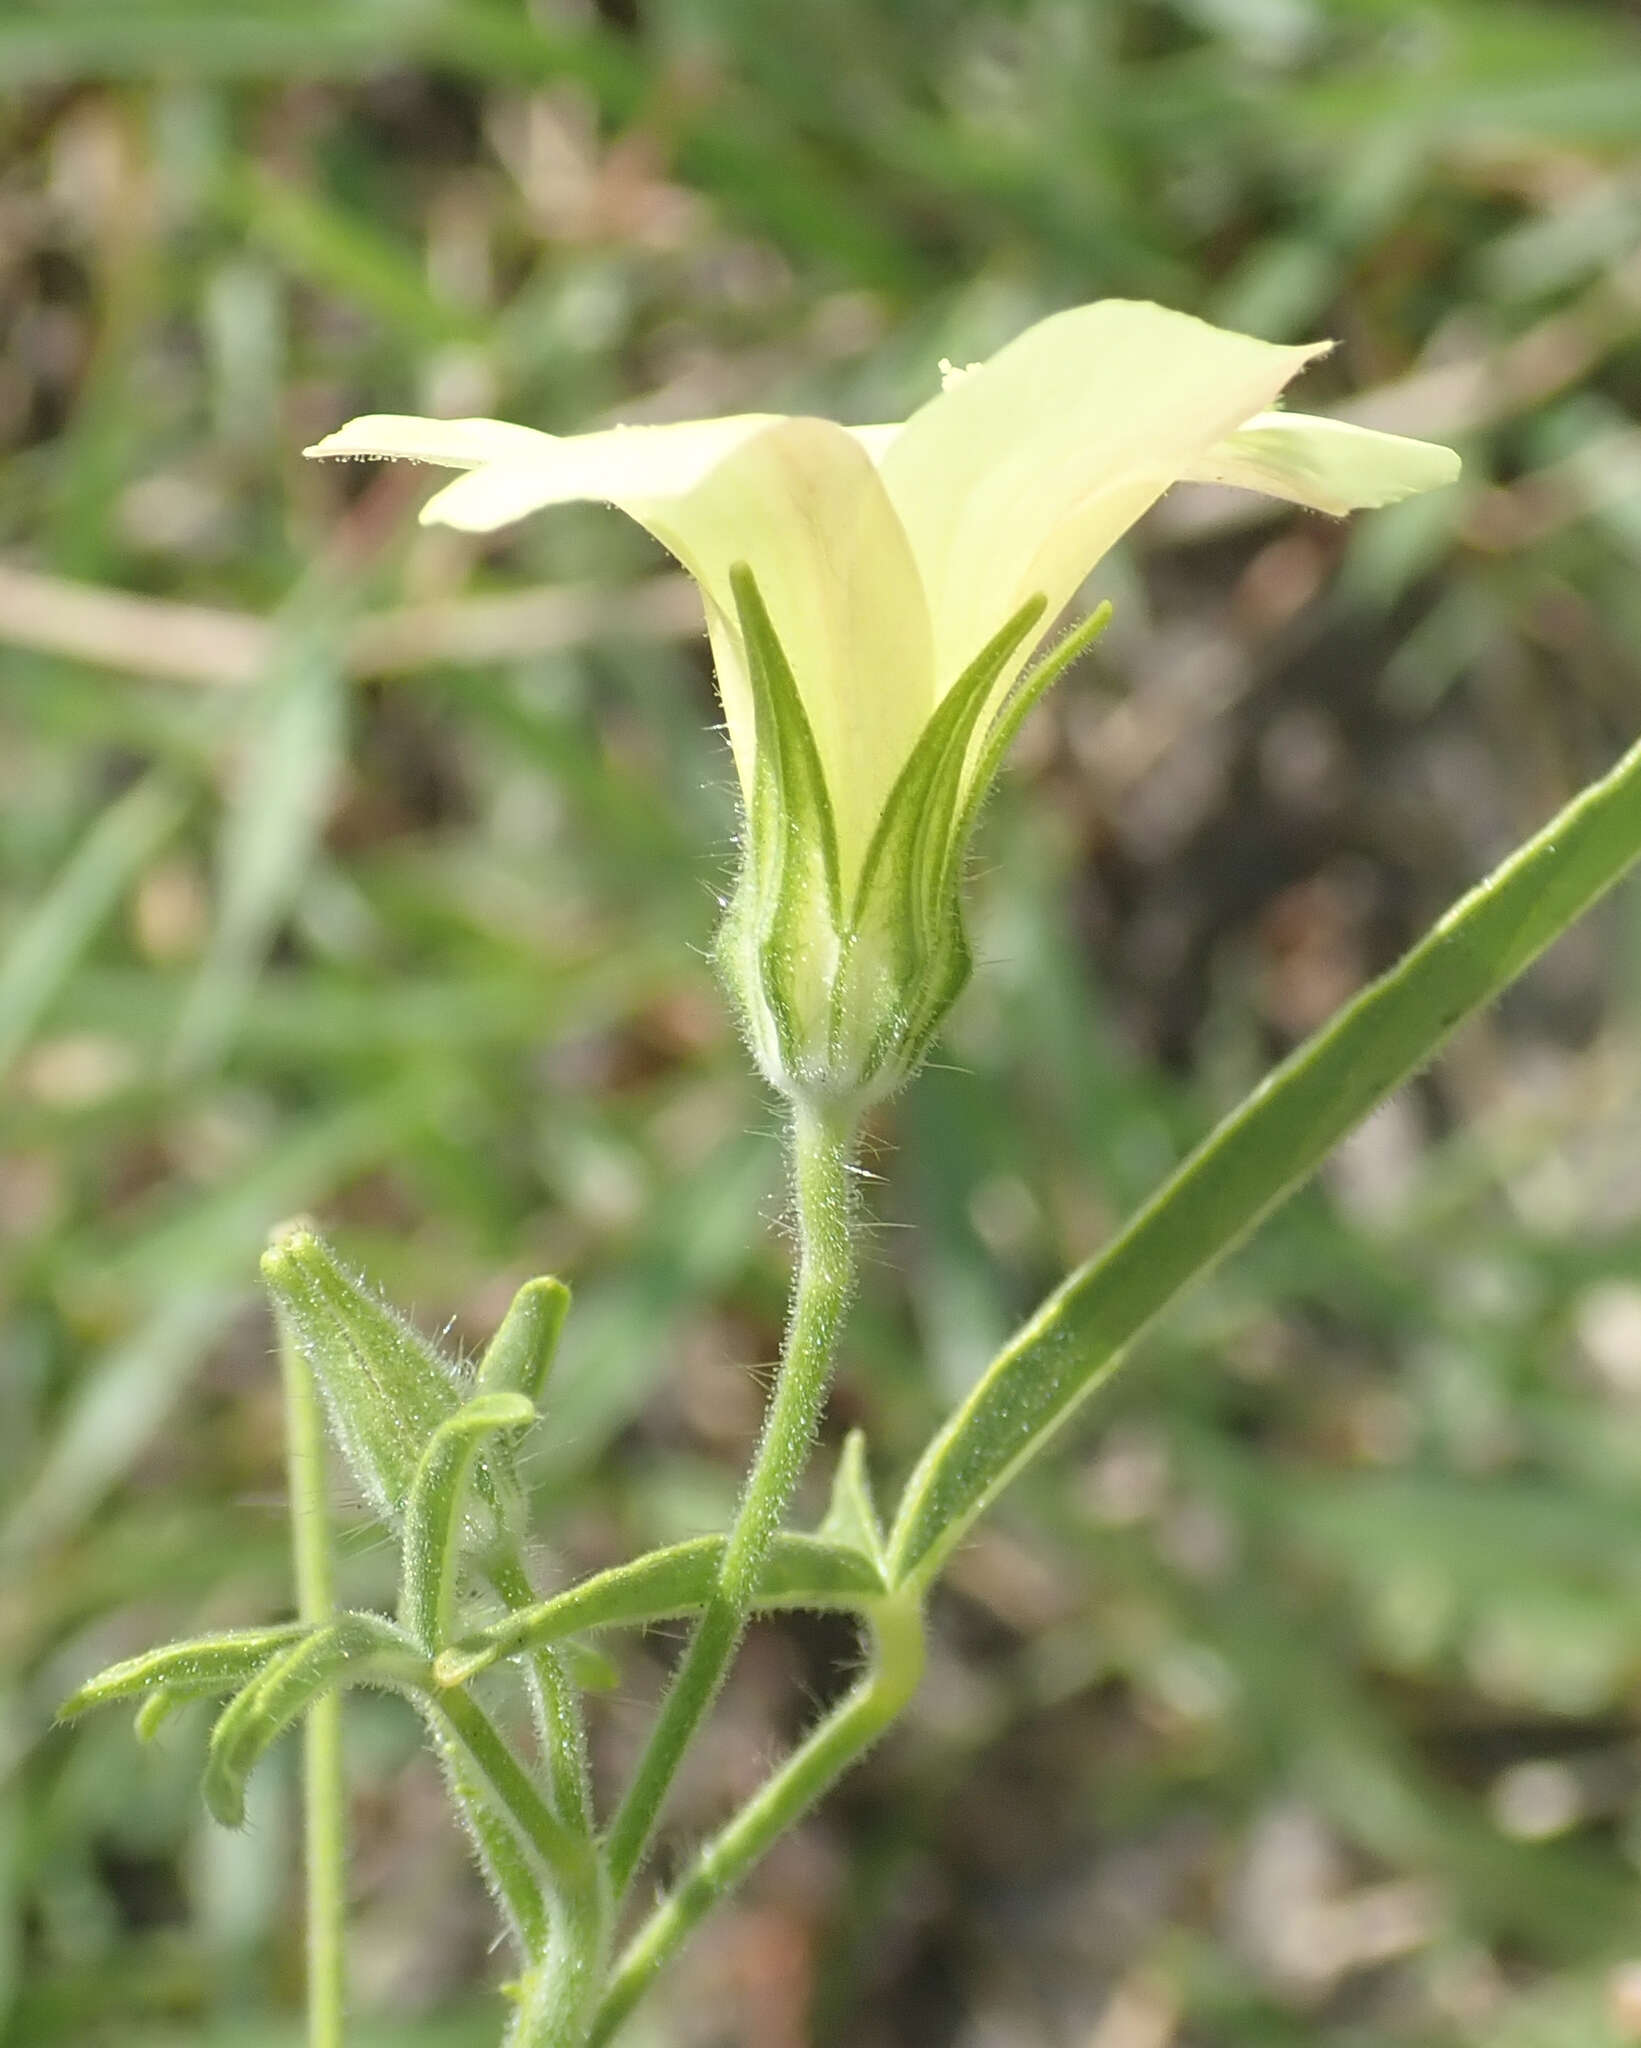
(510, 1865)
(839, 1741)
(559, 1723)
(824, 1283)
(562, 1978)
(323, 1807)
(563, 1852)
(555, 1996)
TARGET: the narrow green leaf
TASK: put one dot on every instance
(386, 1389)
(202, 1665)
(355, 1649)
(802, 1571)
(347, 39)
(1261, 1152)
(435, 1511)
(68, 45)
(810, 1571)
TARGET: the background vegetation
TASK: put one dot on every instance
(350, 868)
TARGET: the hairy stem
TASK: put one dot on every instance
(557, 1708)
(839, 1741)
(561, 1980)
(323, 1799)
(825, 1280)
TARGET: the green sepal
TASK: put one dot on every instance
(518, 1360)
(204, 1667)
(520, 1355)
(801, 1571)
(898, 870)
(942, 860)
(1030, 690)
(435, 1514)
(355, 1649)
(385, 1388)
(789, 771)
(906, 956)
(851, 1521)
(779, 942)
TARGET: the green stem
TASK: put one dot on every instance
(562, 1852)
(823, 1204)
(323, 1802)
(839, 1741)
(560, 1982)
(559, 1723)
(509, 1863)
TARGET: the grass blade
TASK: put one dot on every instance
(44, 951)
(291, 757)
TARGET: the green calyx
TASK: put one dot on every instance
(841, 996)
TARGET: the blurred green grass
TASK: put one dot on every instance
(1298, 1700)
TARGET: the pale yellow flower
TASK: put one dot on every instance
(887, 557)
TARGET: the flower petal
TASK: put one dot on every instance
(612, 468)
(876, 440)
(1326, 464)
(798, 501)
(456, 444)
(1021, 474)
